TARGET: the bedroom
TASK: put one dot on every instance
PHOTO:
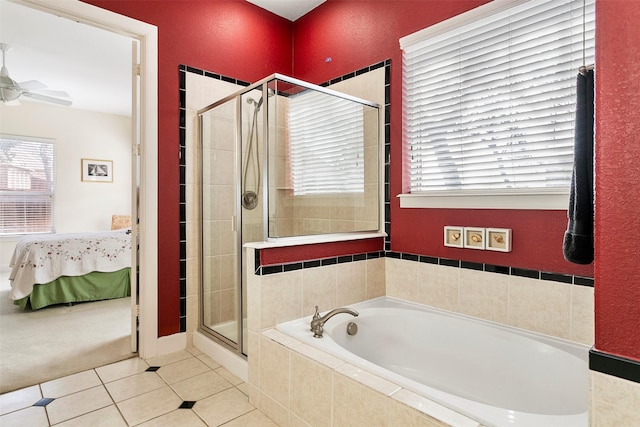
(96, 127)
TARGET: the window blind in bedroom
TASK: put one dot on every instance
(490, 98)
(27, 170)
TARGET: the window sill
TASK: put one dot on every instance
(552, 200)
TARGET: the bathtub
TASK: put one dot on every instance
(495, 374)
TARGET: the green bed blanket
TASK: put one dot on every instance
(93, 286)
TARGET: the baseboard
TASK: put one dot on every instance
(234, 363)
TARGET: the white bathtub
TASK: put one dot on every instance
(497, 375)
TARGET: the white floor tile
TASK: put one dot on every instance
(74, 405)
(105, 417)
(182, 370)
(143, 398)
(201, 386)
(19, 399)
(254, 418)
(135, 385)
(222, 407)
(122, 369)
(167, 359)
(34, 416)
(179, 417)
(224, 373)
(149, 405)
(70, 384)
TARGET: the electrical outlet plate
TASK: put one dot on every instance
(474, 238)
(453, 236)
(498, 239)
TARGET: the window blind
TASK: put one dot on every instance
(326, 144)
(490, 100)
(27, 168)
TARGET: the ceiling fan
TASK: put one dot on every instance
(11, 91)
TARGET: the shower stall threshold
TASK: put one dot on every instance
(231, 361)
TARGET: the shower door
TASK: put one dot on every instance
(232, 200)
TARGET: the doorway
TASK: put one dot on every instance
(146, 128)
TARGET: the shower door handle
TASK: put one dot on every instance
(234, 220)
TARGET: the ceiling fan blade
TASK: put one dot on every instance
(32, 85)
(45, 98)
(54, 93)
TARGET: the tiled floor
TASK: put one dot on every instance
(186, 388)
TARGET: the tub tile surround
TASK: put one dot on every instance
(561, 307)
(615, 402)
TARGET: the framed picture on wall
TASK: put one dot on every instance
(97, 170)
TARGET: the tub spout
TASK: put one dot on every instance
(317, 323)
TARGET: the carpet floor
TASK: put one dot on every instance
(41, 345)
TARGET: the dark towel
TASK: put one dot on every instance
(578, 239)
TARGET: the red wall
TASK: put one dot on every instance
(238, 39)
(617, 270)
(355, 34)
(230, 37)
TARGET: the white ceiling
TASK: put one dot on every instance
(290, 9)
(92, 65)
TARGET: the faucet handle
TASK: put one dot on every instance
(316, 316)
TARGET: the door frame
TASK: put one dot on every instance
(147, 36)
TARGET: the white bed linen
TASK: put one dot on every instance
(41, 258)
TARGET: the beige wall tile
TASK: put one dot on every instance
(483, 295)
(606, 415)
(540, 305)
(401, 278)
(619, 392)
(438, 286)
(357, 405)
(281, 298)
(319, 288)
(375, 280)
(310, 391)
(350, 285)
(272, 409)
(582, 315)
(274, 371)
(253, 354)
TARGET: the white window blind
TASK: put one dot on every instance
(326, 138)
(490, 97)
(27, 168)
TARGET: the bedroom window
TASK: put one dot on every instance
(489, 103)
(27, 167)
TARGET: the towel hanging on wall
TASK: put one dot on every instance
(578, 239)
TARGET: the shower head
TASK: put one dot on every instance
(258, 103)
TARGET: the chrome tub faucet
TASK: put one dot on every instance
(317, 323)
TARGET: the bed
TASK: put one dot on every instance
(69, 268)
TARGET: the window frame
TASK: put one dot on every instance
(39, 195)
(530, 199)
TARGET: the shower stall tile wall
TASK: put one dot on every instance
(241, 150)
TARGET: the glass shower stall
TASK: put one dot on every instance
(280, 158)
